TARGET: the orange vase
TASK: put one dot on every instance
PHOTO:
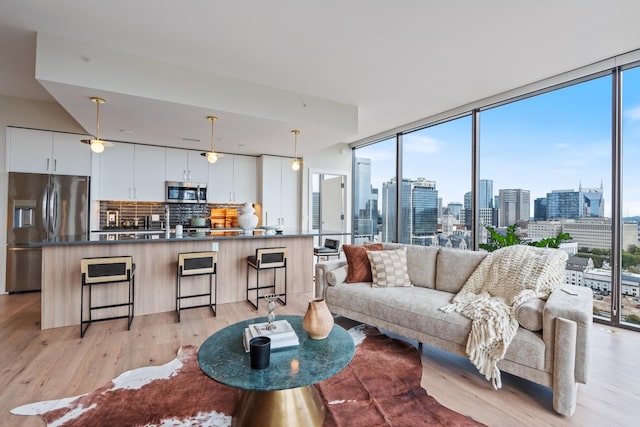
(318, 320)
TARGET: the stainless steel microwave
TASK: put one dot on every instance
(186, 192)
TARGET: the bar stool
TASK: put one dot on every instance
(331, 248)
(197, 264)
(267, 259)
(100, 272)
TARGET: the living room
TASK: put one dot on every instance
(349, 56)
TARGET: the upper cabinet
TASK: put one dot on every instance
(279, 191)
(186, 166)
(38, 151)
(132, 172)
(233, 178)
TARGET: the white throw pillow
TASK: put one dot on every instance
(337, 276)
(389, 268)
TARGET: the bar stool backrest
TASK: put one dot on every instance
(106, 269)
(271, 257)
(195, 263)
(332, 244)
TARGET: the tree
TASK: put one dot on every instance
(497, 240)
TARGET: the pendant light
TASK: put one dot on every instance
(212, 156)
(97, 145)
(295, 163)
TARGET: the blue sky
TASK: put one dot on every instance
(554, 141)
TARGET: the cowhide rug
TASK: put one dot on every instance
(380, 387)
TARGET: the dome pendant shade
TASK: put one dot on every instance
(212, 156)
(296, 163)
(97, 145)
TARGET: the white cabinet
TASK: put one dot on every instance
(279, 191)
(132, 172)
(233, 178)
(49, 152)
(186, 166)
(149, 173)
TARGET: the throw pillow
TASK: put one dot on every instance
(337, 276)
(359, 269)
(389, 268)
(529, 314)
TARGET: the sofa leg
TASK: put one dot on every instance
(565, 388)
(420, 346)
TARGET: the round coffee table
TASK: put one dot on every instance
(282, 394)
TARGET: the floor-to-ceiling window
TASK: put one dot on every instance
(436, 185)
(629, 294)
(543, 161)
(374, 199)
(549, 158)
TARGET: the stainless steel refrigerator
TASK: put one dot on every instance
(41, 207)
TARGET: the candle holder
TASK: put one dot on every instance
(271, 316)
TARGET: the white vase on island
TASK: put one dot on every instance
(247, 220)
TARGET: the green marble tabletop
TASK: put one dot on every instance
(222, 357)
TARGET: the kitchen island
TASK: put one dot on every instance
(155, 257)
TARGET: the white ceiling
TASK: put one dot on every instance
(397, 62)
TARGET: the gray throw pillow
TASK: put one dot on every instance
(529, 314)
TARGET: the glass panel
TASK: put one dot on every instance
(436, 182)
(630, 298)
(373, 212)
(549, 157)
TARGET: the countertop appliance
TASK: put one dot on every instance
(41, 207)
(186, 192)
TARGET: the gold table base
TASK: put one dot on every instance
(301, 406)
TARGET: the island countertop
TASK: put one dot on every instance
(157, 236)
(156, 269)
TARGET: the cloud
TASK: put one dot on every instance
(632, 113)
(421, 144)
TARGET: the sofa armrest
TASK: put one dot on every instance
(575, 304)
(322, 268)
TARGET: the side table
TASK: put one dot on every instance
(283, 394)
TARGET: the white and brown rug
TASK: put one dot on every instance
(380, 387)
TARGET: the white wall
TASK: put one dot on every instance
(29, 114)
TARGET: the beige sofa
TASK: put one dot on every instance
(553, 351)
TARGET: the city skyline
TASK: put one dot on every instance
(559, 140)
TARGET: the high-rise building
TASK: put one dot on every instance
(365, 217)
(454, 208)
(540, 209)
(564, 204)
(418, 210)
(514, 206)
(486, 194)
(593, 202)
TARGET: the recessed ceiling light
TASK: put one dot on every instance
(127, 131)
(242, 145)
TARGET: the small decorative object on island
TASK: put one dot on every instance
(318, 320)
(247, 220)
(271, 316)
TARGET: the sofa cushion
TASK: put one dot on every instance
(417, 308)
(454, 266)
(359, 268)
(529, 314)
(339, 275)
(389, 268)
(421, 263)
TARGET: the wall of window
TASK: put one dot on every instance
(545, 161)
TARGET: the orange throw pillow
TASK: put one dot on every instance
(359, 267)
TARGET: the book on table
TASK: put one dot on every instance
(282, 335)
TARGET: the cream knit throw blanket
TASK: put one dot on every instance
(503, 281)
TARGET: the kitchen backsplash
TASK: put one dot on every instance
(179, 213)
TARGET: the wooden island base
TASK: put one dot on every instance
(156, 270)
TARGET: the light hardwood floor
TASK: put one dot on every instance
(41, 365)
